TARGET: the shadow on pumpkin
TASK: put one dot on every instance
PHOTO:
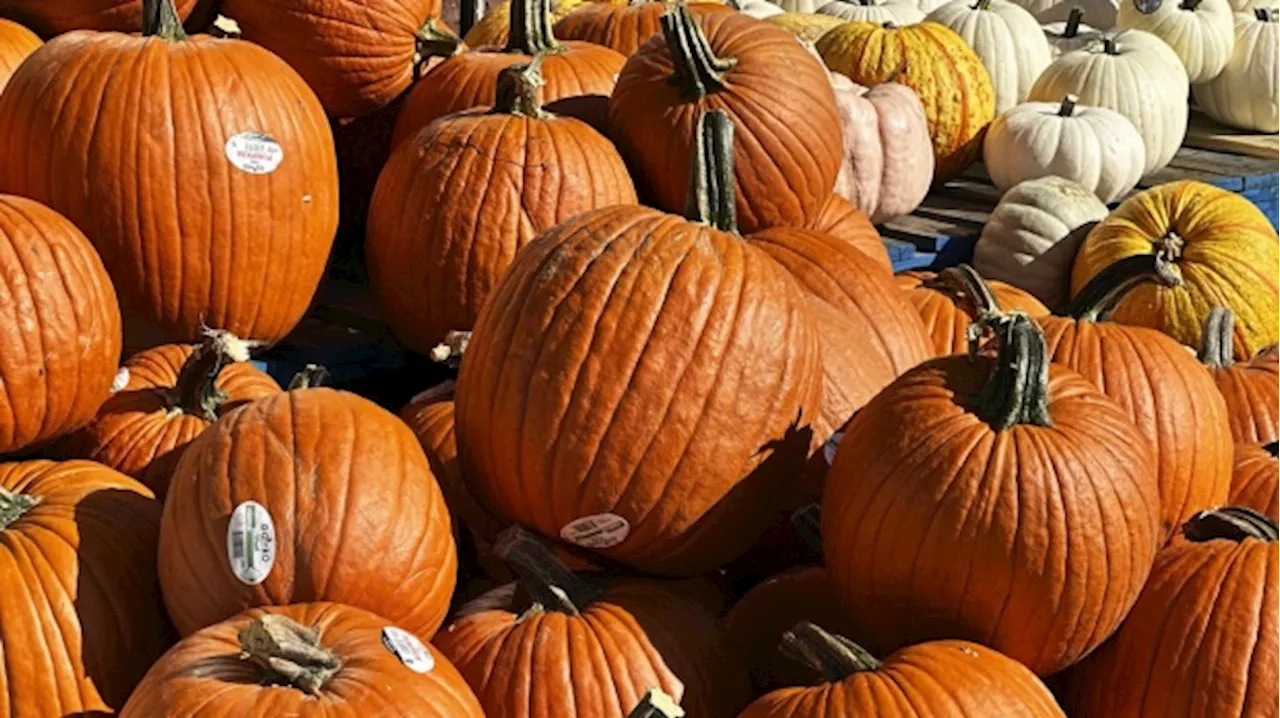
(1060, 255)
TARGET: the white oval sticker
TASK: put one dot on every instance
(408, 649)
(254, 152)
(596, 531)
(251, 543)
(120, 381)
(829, 448)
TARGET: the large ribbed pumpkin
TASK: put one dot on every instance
(959, 100)
(558, 646)
(1251, 388)
(839, 218)
(787, 138)
(1222, 242)
(483, 184)
(1255, 479)
(999, 499)
(357, 515)
(956, 679)
(82, 618)
(59, 326)
(170, 395)
(200, 220)
(951, 300)
(307, 660)
(16, 44)
(54, 17)
(1201, 642)
(623, 27)
(1164, 390)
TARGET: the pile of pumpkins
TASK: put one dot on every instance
(704, 453)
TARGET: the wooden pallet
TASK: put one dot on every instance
(1205, 134)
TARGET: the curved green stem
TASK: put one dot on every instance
(530, 29)
(712, 199)
(696, 69)
(835, 657)
(1099, 297)
(1234, 523)
(1017, 392)
(196, 392)
(160, 19)
(549, 582)
(1217, 347)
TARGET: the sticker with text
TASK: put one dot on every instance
(251, 543)
(408, 649)
(596, 531)
(255, 153)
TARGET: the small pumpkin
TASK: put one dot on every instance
(1024, 488)
(757, 9)
(1225, 247)
(839, 218)
(959, 99)
(1255, 479)
(1251, 388)
(55, 18)
(623, 27)
(900, 12)
(1006, 37)
(1246, 94)
(16, 44)
(494, 27)
(306, 660)
(807, 25)
(1070, 34)
(958, 679)
(951, 300)
(1199, 31)
(1094, 147)
(1030, 238)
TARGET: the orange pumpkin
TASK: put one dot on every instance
(1251, 388)
(16, 44)
(332, 482)
(306, 660)
(623, 27)
(840, 219)
(54, 18)
(1255, 479)
(950, 302)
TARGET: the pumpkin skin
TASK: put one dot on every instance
(54, 18)
(1245, 93)
(1007, 38)
(1255, 479)
(205, 674)
(1224, 246)
(432, 270)
(959, 100)
(787, 135)
(303, 484)
(622, 28)
(806, 25)
(83, 618)
(59, 326)
(966, 554)
(144, 428)
(16, 44)
(900, 12)
(1251, 388)
(839, 218)
(947, 312)
(159, 192)
(1199, 32)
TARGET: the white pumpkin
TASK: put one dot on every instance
(928, 6)
(800, 5)
(1031, 237)
(759, 9)
(1069, 35)
(899, 12)
(1101, 13)
(1199, 31)
(1094, 147)
(1245, 94)
(1133, 73)
(1007, 39)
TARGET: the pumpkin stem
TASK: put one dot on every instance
(1273, 448)
(711, 197)
(1216, 339)
(196, 392)
(451, 350)
(1074, 18)
(1017, 392)
(963, 281)
(1234, 523)
(434, 39)
(530, 30)
(549, 582)
(160, 19)
(520, 91)
(696, 69)
(1099, 297)
(1262, 13)
(1189, 5)
(656, 704)
(807, 522)
(290, 654)
(1109, 45)
(890, 25)
(981, 5)
(13, 505)
(834, 656)
(312, 376)
(1068, 106)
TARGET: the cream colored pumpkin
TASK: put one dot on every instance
(1247, 93)
(800, 5)
(1008, 40)
(1199, 31)
(1100, 13)
(1133, 73)
(759, 9)
(1031, 237)
(1097, 148)
(928, 6)
(899, 12)
(1071, 34)
(888, 156)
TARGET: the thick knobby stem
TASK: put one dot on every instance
(711, 186)
(548, 581)
(1017, 392)
(520, 90)
(696, 69)
(1074, 18)
(531, 28)
(656, 704)
(1234, 523)
(433, 40)
(964, 281)
(160, 18)
(1216, 346)
(290, 654)
(1273, 448)
(1068, 106)
(807, 521)
(312, 376)
(13, 505)
(196, 392)
(835, 657)
(1099, 297)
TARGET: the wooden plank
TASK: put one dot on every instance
(930, 234)
(1238, 172)
(1204, 133)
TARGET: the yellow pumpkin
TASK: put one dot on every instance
(805, 25)
(959, 100)
(1226, 250)
(492, 29)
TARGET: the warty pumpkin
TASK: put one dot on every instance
(1161, 386)
(307, 660)
(900, 12)
(1006, 37)
(1246, 94)
(959, 100)
(1199, 32)
(321, 483)
(999, 499)
(623, 27)
(16, 44)
(525, 170)
(1204, 631)
(54, 18)
(1251, 388)
(59, 326)
(212, 201)
(577, 72)
(951, 300)
(556, 645)
(494, 27)
(82, 617)
(1225, 247)
(1255, 479)
(163, 399)
(957, 679)
(786, 135)
(839, 218)
(806, 25)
